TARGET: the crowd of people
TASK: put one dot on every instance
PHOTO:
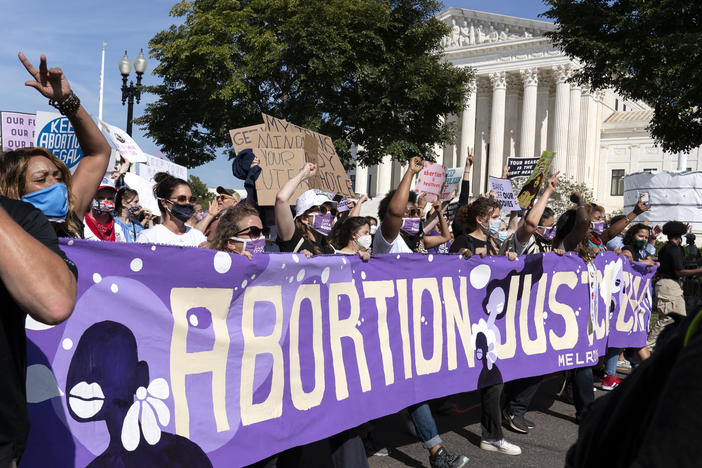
(81, 205)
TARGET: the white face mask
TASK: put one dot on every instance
(364, 242)
(373, 230)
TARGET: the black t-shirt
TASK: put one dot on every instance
(290, 245)
(466, 241)
(14, 421)
(671, 258)
(635, 253)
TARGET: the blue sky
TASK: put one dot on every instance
(70, 33)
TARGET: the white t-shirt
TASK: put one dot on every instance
(160, 234)
(382, 246)
(90, 235)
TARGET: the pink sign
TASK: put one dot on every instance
(430, 181)
(17, 130)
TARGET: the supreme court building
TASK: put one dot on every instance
(521, 103)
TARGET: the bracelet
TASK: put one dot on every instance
(68, 106)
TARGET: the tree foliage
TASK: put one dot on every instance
(646, 50)
(199, 189)
(364, 72)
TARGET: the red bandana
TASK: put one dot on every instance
(104, 232)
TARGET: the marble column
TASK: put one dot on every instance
(560, 118)
(497, 123)
(543, 100)
(384, 176)
(573, 132)
(361, 184)
(467, 124)
(586, 137)
(528, 131)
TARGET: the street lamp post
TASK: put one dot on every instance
(131, 91)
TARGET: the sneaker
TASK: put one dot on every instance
(624, 364)
(516, 423)
(610, 382)
(530, 424)
(501, 446)
(372, 448)
(445, 459)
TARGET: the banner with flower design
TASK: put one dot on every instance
(190, 357)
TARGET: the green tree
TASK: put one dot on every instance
(646, 50)
(199, 189)
(364, 72)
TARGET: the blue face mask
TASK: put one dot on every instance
(502, 236)
(494, 226)
(52, 201)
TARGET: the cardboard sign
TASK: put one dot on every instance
(505, 194)
(451, 183)
(533, 183)
(242, 138)
(55, 133)
(431, 180)
(277, 167)
(17, 130)
(125, 144)
(521, 167)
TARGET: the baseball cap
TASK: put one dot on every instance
(311, 198)
(227, 191)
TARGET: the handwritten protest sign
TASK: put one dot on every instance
(17, 130)
(55, 133)
(533, 183)
(505, 194)
(277, 167)
(451, 183)
(242, 138)
(241, 359)
(125, 144)
(430, 181)
(521, 167)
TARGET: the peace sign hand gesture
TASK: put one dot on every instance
(51, 83)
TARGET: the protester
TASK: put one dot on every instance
(373, 225)
(40, 178)
(240, 231)
(532, 237)
(400, 226)
(308, 231)
(226, 199)
(198, 215)
(128, 213)
(352, 237)
(692, 253)
(637, 244)
(463, 197)
(669, 293)
(437, 241)
(37, 280)
(175, 200)
(483, 219)
(99, 222)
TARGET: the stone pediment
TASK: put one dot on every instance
(472, 29)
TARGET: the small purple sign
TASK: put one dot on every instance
(211, 359)
(17, 130)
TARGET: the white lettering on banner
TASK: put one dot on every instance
(301, 399)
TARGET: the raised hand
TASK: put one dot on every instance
(213, 209)
(256, 162)
(363, 199)
(552, 182)
(470, 159)
(641, 207)
(416, 165)
(308, 170)
(421, 202)
(50, 82)
(505, 171)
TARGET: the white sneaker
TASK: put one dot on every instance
(501, 446)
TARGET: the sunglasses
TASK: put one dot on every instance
(224, 197)
(324, 210)
(183, 199)
(253, 232)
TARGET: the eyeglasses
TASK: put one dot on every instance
(183, 199)
(253, 232)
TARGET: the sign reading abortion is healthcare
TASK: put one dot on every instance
(56, 134)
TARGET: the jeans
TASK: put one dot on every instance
(425, 425)
(611, 359)
(583, 393)
(519, 394)
(347, 450)
(491, 417)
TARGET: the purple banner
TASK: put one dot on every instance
(17, 130)
(203, 357)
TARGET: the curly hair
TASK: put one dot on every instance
(13, 176)
(674, 229)
(385, 202)
(481, 207)
(633, 230)
(228, 224)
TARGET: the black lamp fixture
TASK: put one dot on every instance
(131, 91)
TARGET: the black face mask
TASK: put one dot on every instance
(182, 212)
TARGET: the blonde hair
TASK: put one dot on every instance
(228, 225)
(13, 177)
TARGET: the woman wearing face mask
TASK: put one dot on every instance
(99, 221)
(483, 219)
(314, 217)
(128, 211)
(240, 231)
(40, 178)
(636, 244)
(600, 234)
(176, 201)
(353, 236)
